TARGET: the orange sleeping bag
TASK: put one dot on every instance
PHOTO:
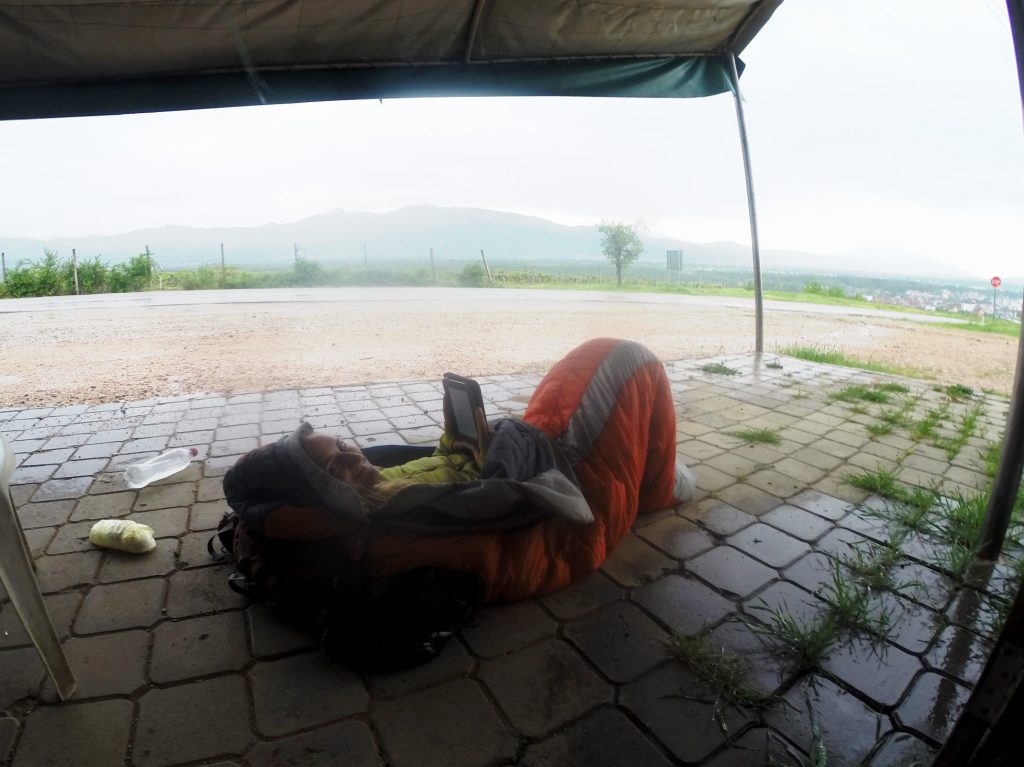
(609, 406)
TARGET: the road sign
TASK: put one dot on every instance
(996, 282)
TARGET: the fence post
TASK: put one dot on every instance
(223, 270)
(432, 267)
(74, 267)
(486, 267)
(3, 265)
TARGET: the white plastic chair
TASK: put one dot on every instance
(17, 573)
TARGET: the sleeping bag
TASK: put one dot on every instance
(559, 488)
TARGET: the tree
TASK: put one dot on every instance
(620, 243)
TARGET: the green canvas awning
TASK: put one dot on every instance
(89, 57)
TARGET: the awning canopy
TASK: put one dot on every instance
(87, 57)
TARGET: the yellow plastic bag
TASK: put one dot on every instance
(123, 535)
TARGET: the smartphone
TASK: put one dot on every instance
(464, 397)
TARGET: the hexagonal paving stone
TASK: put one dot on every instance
(504, 628)
(768, 545)
(198, 647)
(731, 571)
(797, 522)
(879, 671)
(620, 640)
(349, 743)
(202, 590)
(932, 706)
(960, 653)
(96, 733)
(131, 604)
(121, 566)
(680, 711)
(452, 724)
(721, 518)
(635, 562)
(677, 537)
(588, 594)
(569, 687)
(848, 727)
(899, 749)
(108, 664)
(21, 671)
(192, 722)
(606, 738)
(684, 604)
(303, 691)
(823, 505)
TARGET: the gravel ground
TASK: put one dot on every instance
(90, 355)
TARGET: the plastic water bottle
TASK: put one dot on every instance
(159, 466)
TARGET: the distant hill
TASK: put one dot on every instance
(453, 233)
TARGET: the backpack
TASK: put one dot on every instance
(371, 624)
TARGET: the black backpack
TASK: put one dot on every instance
(370, 623)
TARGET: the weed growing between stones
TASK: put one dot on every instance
(717, 368)
(758, 436)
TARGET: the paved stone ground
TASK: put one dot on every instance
(175, 669)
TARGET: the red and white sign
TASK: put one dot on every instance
(996, 282)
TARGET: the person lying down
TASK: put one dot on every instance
(424, 537)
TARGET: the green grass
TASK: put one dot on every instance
(990, 455)
(850, 605)
(805, 644)
(1001, 327)
(957, 392)
(717, 669)
(880, 429)
(774, 365)
(884, 482)
(758, 436)
(924, 428)
(873, 563)
(964, 432)
(717, 368)
(860, 393)
(834, 356)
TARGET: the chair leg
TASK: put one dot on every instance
(19, 580)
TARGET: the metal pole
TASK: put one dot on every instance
(74, 267)
(1011, 460)
(223, 268)
(742, 125)
(433, 268)
(3, 265)
(1011, 463)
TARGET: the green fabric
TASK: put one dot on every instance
(669, 77)
(442, 466)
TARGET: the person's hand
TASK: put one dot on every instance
(479, 452)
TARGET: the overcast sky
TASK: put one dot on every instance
(877, 123)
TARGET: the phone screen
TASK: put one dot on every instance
(462, 410)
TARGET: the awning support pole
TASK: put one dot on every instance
(1011, 463)
(1011, 460)
(734, 78)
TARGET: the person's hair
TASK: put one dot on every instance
(373, 498)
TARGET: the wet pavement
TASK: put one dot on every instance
(176, 669)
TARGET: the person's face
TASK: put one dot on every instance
(341, 460)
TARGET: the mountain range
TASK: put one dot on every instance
(453, 234)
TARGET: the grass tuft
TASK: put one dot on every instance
(834, 356)
(718, 670)
(806, 644)
(759, 436)
(717, 368)
(957, 392)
